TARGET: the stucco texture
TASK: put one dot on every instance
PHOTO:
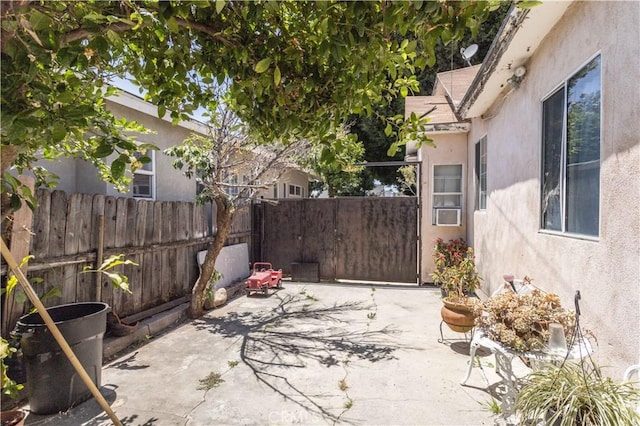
(507, 236)
(450, 148)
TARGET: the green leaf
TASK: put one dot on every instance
(220, 5)
(277, 76)
(117, 168)
(388, 130)
(53, 292)
(144, 159)
(58, 132)
(12, 282)
(263, 65)
(528, 4)
(103, 150)
(39, 21)
(392, 149)
(172, 23)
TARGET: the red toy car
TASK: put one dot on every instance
(263, 278)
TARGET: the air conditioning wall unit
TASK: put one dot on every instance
(448, 217)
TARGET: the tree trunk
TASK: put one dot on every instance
(224, 219)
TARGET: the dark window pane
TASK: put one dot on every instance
(583, 150)
(142, 186)
(552, 130)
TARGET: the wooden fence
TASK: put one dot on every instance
(70, 231)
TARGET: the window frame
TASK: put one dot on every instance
(459, 207)
(142, 172)
(480, 172)
(233, 179)
(298, 191)
(563, 177)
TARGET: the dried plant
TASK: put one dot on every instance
(521, 321)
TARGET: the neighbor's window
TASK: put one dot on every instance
(570, 182)
(143, 178)
(295, 191)
(233, 191)
(447, 194)
(481, 174)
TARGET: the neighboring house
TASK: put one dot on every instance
(158, 180)
(537, 163)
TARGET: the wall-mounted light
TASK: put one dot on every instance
(517, 77)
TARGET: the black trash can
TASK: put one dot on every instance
(53, 384)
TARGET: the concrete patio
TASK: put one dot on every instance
(307, 354)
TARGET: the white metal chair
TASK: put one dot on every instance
(629, 373)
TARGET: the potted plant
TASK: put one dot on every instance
(577, 394)
(458, 279)
(521, 321)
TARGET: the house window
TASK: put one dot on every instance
(481, 174)
(233, 190)
(275, 190)
(144, 178)
(570, 182)
(447, 195)
(295, 191)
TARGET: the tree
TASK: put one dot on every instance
(295, 69)
(335, 165)
(370, 129)
(231, 168)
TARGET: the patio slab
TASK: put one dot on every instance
(311, 354)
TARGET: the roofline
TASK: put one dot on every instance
(520, 35)
(500, 43)
(134, 102)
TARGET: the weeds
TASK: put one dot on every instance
(493, 406)
(233, 363)
(213, 380)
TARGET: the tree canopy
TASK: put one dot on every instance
(294, 69)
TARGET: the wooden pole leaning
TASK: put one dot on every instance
(31, 294)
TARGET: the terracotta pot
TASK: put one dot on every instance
(457, 316)
(12, 418)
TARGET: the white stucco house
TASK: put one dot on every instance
(158, 180)
(537, 163)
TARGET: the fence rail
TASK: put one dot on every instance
(69, 231)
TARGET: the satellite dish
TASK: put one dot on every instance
(468, 52)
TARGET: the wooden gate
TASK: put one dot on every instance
(367, 238)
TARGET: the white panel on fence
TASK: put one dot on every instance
(232, 262)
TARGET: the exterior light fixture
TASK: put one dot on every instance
(517, 77)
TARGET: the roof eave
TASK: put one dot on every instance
(411, 147)
(520, 35)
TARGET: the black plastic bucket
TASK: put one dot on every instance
(53, 384)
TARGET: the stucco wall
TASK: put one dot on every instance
(450, 148)
(507, 235)
(171, 185)
(289, 177)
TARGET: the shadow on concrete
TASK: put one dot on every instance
(88, 413)
(128, 363)
(295, 334)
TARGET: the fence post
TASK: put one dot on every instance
(19, 248)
